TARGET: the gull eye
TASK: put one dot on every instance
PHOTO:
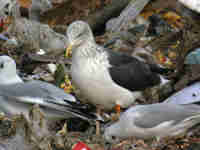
(1, 65)
(194, 95)
(7, 6)
(113, 137)
(6, 12)
(82, 32)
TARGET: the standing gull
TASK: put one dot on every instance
(18, 96)
(107, 78)
(159, 120)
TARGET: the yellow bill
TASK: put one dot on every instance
(68, 52)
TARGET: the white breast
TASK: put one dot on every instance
(91, 76)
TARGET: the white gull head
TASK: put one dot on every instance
(79, 32)
(8, 71)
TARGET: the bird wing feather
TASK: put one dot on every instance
(37, 89)
(131, 73)
(62, 109)
(154, 115)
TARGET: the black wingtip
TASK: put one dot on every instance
(79, 105)
(160, 70)
(89, 116)
(80, 110)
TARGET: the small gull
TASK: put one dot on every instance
(17, 96)
(158, 121)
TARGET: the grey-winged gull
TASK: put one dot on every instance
(159, 120)
(107, 78)
(17, 97)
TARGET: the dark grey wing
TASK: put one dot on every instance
(134, 76)
(155, 114)
(131, 73)
(118, 58)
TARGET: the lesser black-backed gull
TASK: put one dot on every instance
(106, 77)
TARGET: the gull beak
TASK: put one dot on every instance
(71, 46)
(68, 52)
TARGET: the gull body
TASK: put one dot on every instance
(17, 97)
(156, 120)
(91, 76)
(106, 78)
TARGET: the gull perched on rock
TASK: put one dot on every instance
(108, 79)
(17, 96)
(159, 120)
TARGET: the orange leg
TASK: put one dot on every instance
(118, 111)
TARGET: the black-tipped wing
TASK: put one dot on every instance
(46, 95)
(131, 73)
(42, 93)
